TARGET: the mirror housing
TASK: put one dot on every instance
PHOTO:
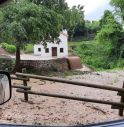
(5, 87)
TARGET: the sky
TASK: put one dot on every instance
(94, 9)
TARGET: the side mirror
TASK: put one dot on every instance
(5, 87)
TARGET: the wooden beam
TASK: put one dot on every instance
(19, 78)
(121, 105)
(72, 82)
(22, 87)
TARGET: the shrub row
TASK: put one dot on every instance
(9, 48)
(98, 55)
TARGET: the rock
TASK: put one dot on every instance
(9, 118)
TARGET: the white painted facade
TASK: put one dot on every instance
(53, 50)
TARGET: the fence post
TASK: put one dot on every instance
(122, 101)
(25, 84)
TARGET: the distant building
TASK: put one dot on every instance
(53, 50)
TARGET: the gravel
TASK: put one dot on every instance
(52, 111)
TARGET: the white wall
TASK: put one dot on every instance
(63, 44)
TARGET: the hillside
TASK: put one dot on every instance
(96, 55)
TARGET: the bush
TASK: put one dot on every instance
(4, 45)
(73, 47)
(97, 55)
(29, 48)
(10, 48)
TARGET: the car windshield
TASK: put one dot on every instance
(66, 60)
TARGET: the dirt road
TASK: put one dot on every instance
(47, 111)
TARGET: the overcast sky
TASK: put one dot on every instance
(94, 9)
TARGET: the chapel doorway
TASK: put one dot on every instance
(54, 51)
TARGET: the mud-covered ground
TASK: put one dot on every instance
(52, 111)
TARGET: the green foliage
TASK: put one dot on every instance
(93, 54)
(119, 8)
(29, 48)
(4, 45)
(31, 23)
(39, 20)
(74, 18)
(91, 29)
(92, 26)
(110, 33)
(1, 16)
(97, 55)
(60, 6)
(8, 48)
(26, 22)
(107, 51)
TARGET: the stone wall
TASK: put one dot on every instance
(60, 64)
(6, 63)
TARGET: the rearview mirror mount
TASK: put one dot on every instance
(5, 87)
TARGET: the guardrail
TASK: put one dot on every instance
(114, 105)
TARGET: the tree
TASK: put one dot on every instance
(26, 22)
(60, 6)
(91, 28)
(108, 17)
(73, 17)
(110, 33)
(79, 29)
(119, 7)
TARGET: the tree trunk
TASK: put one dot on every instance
(17, 64)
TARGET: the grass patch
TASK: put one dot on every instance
(76, 43)
(8, 47)
(29, 48)
(96, 55)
